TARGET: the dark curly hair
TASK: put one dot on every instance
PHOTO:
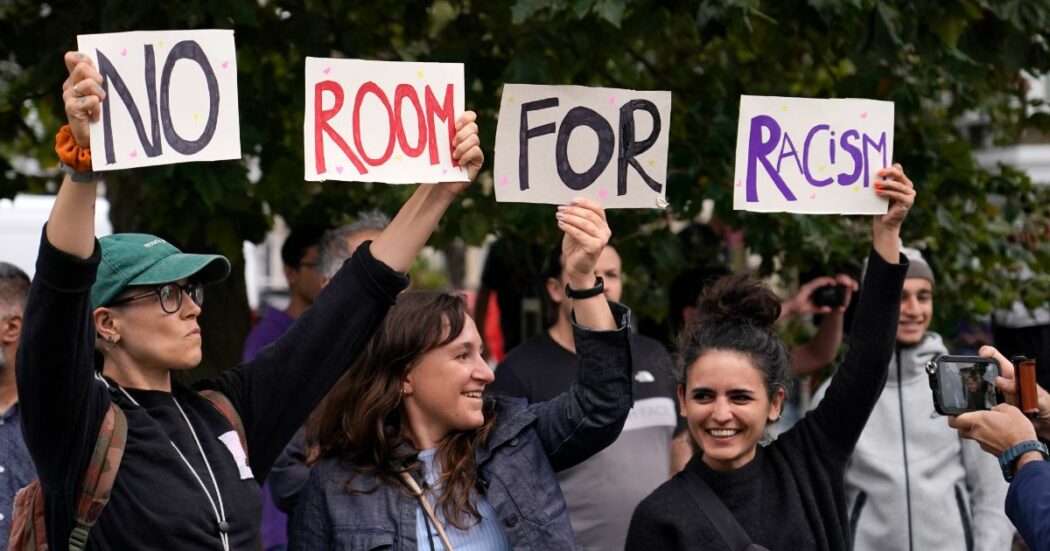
(737, 313)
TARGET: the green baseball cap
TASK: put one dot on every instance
(141, 259)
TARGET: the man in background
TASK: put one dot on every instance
(16, 467)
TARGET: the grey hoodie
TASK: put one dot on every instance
(912, 483)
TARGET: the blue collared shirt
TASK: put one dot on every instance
(16, 467)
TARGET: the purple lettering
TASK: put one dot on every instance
(879, 146)
(845, 179)
(757, 151)
(805, 157)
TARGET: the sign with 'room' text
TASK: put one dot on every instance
(816, 156)
(171, 97)
(382, 121)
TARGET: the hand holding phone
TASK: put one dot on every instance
(964, 383)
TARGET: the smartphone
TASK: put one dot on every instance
(963, 383)
(832, 294)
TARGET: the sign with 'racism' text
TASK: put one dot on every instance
(555, 143)
(171, 97)
(816, 156)
(382, 121)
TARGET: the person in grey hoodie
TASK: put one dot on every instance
(912, 483)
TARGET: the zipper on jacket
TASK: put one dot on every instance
(960, 500)
(904, 448)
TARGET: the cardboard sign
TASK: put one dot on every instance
(816, 156)
(381, 121)
(554, 143)
(171, 97)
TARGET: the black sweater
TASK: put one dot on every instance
(792, 496)
(156, 502)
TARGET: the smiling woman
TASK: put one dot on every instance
(413, 454)
(789, 494)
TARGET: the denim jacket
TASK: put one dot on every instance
(516, 467)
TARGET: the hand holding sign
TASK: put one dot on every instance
(896, 187)
(82, 95)
(467, 150)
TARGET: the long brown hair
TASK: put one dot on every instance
(361, 421)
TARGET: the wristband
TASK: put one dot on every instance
(81, 177)
(599, 288)
(1010, 456)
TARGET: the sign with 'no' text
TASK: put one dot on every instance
(381, 121)
(554, 143)
(816, 156)
(171, 97)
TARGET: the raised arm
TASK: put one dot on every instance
(852, 394)
(277, 391)
(71, 227)
(589, 416)
(61, 407)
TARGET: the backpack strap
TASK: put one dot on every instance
(100, 474)
(720, 516)
(225, 407)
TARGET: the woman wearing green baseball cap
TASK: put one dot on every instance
(108, 320)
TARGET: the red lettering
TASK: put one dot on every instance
(446, 112)
(371, 87)
(321, 118)
(407, 91)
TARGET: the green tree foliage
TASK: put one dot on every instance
(937, 61)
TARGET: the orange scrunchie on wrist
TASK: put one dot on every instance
(72, 155)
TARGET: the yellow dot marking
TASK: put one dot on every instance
(821, 168)
(510, 100)
(399, 158)
(856, 189)
(419, 74)
(652, 163)
(196, 116)
(160, 43)
(784, 108)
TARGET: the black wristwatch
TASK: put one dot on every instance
(599, 288)
(81, 177)
(1010, 456)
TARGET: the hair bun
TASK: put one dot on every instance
(739, 299)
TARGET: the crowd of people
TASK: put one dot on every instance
(366, 416)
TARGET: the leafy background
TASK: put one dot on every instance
(939, 62)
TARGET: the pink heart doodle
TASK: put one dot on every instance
(814, 196)
(339, 169)
(123, 51)
(602, 193)
(864, 115)
(225, 64)
(739, 183)
(503, 182)
(612, 100)
(326, 70)
(134, 153)
(444, 171)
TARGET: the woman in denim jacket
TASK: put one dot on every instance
(411, 415)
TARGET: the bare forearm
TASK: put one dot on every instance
(401, 241)
(71, 226)
(820, 350)
(886, 242)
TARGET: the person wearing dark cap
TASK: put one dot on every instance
(108, 321)
(912, 483)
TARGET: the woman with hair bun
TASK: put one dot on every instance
(789, 494)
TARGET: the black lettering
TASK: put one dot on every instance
(582, 116)
(188, 49)
(151, 148)
(629, 148)
(525, 134)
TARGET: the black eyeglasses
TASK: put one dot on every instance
(170, 295)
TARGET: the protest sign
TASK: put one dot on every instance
(554, 143)
(171, 97)
(381, 121)
(816, 156)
